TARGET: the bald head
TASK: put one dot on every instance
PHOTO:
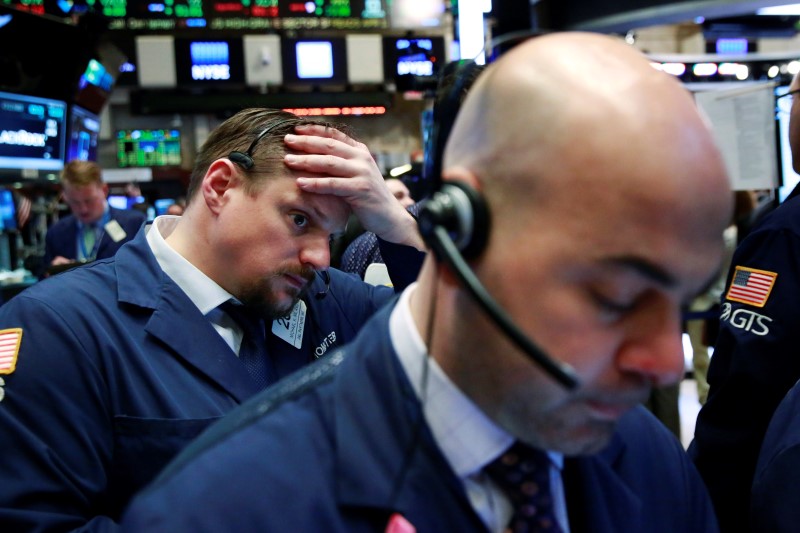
(573, 107)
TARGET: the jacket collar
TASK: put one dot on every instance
(175, 320)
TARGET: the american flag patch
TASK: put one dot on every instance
(751, 286)
(9, 348)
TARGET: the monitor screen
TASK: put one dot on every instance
(120, 201)
(314, 61)
(8, 210)
(148, 148)
(209, 62)
(32, 134)
(162, 204)
(84, 130)
(413, 63)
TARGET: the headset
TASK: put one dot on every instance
(454, 222)
(245, 159)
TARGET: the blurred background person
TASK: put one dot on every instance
(94, 229)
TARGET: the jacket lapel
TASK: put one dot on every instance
(176, 321)
(386, 457)
(598, 499)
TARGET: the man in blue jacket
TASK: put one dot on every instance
(607, 215)
(110, 369)
(94, 229)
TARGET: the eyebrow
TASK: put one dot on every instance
(644, 268)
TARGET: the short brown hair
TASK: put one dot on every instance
(237, 134)
(81, 173)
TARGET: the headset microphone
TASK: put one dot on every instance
(324, 292)
(438, 237)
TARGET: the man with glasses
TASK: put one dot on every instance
(94, 230)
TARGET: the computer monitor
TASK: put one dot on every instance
(148, 147)
(83, 131)
(8, 210)
(32, 135)
(314, 61)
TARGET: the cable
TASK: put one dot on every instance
(445, 248)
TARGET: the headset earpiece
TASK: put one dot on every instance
(245, 159)
(462, 211)
(241, 159)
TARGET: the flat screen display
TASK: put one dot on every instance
(209, 62)
(32, 133)
(8, 210)
(413, 62)
(83, 131)
(314, 61)
(148, 148)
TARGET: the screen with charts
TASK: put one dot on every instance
(148, 148)
(32, 133)
(166, 15)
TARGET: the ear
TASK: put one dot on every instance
(220, 177)
(105, 190)
(463, 175)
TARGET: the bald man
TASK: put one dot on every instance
(596, 241)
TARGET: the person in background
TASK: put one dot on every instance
(755, 360)
(606, 217)
(364, 250)
(94, 229)
(109, 370)
(703, 330)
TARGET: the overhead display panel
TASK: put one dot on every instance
(164, 15)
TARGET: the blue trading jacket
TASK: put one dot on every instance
(342, 447)
(62, 237)
(117, 370)
(755, 360)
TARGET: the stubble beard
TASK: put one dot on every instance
(262, 298)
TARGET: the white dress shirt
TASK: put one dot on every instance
(204, 292)
(468, 439)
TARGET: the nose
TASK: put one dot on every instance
(654, 347)
(316, 252)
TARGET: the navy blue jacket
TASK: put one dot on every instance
(775, 500)
(118, 370)
(755, 363)
(325, 450)
(62, 237)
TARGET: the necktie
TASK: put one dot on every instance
(523, 473)
(253, 350)
(89, 238)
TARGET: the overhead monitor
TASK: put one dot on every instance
(32, 134)
(314, 61)
(209, 62)
(83, 134)
(148, 147)
(414, 63)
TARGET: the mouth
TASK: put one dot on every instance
(297, 282)
(610, 411)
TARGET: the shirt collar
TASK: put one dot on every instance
(468, 438)
(204, 292)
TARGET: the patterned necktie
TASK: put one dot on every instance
(523, 474)
(253, 350)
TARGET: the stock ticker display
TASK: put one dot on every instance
(157, 15)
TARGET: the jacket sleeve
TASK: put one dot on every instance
(55, 439)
